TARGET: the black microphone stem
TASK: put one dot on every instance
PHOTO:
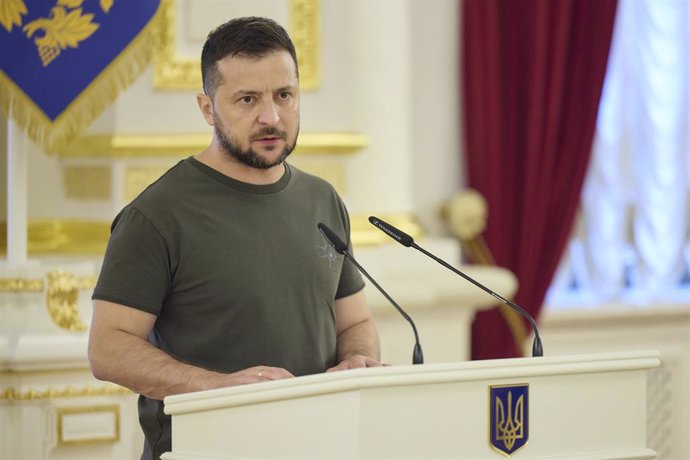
(417, 355)
(537, 349)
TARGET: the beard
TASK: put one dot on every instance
(249, 157)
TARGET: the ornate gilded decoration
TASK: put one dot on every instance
(12, 394)
(63, 295)
(305, 29)
(21, 285)
(61, 298)
(466, 214)
(172, 72)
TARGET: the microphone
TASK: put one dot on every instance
(407, 241)
(341, 248)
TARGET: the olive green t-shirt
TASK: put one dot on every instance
(237, 274)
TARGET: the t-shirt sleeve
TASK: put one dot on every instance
(136, 269)
(351, 280)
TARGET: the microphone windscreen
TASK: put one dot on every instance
(395, 233)
(338, 244)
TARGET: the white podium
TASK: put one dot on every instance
(583, 407)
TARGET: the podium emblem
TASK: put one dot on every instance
(508, 417)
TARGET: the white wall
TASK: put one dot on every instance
(436, 116)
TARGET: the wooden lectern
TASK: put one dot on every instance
(583, 407)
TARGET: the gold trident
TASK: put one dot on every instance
(509, 428)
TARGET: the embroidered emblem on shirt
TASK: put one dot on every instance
(327, 252)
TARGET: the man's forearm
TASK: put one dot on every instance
(136, 364)
(359, 339)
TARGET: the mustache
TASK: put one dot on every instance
(269, 132)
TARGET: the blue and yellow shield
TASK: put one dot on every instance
(508, 417)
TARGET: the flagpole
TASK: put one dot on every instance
(17, 203)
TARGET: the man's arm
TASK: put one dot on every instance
(358, 340)
(119, 352)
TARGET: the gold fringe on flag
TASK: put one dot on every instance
(51, 136)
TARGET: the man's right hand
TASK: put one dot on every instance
(256, 374)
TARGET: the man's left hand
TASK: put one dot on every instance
(353, 362)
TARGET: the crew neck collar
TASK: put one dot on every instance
(240, 186)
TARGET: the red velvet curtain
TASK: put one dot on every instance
(533, 72)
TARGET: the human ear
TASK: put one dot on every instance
(206, 106)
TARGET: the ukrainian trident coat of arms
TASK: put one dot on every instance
(508, 417)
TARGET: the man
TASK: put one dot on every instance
(216, 275)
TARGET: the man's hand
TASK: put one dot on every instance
(353, 362)
(254, 374)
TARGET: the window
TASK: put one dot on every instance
(631, 240)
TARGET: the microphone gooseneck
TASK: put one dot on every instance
(407, 241)
(341, 248)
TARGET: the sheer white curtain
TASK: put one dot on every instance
(631, 240)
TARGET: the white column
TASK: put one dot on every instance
(17, 196)
(381, 176)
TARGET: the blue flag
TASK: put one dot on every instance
(63, 61)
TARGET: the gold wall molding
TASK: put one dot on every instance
(173, 72)
(305, 31)
(330, 143)
(87, 182)
(12, 394)
(363, 233)
(62, 236)
(91, 237)
(26, 373)
(182, 145)
(16, 285)
(63, 413)
(170, 71)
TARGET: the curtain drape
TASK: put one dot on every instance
(532, 76)
(635, 198)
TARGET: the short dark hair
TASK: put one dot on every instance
(249, 36)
